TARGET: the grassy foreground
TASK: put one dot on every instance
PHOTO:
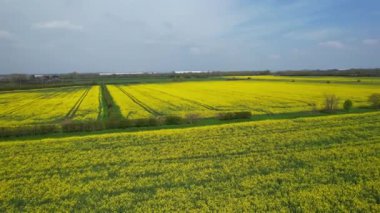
(325, 163)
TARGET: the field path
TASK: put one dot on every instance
(76, 106)
(140, 103)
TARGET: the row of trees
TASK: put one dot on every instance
(332, 101)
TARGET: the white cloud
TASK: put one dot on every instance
(332, 44)
(5, 34)
(63, 25)
(371, 41)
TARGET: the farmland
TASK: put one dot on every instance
(202, 98)
(43, 106)
(311, 79)
(310, 164)
(209, 98)
(288, 156)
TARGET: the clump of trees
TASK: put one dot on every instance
(374, 99)
(347, 105)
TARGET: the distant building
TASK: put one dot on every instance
(189, 71)
(120, 73)
(48, 78)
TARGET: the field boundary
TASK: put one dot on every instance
(109, 108)
(102, 107)
(55, 130)
(140, 103)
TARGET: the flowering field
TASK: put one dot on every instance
(211, 97)
(311, 79)
(89, 107)
(205, 99)
(326, 164)
(43, 106)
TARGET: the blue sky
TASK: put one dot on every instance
(39, 36)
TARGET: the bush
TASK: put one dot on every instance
(145, 122)
(29, 130)
(331, 103)
(234, 115)
(192, 118)
(374, 99)
(173, 120)
(347, 105)
(82, 126)
(225, 116)
(243, 115)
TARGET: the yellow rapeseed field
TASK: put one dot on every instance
(89, 108)
(324, 164)
(211, 97)
(37, 106)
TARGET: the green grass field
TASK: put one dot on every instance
(311, 164)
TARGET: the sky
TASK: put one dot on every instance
(40, 36)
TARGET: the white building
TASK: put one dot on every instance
(189, 71)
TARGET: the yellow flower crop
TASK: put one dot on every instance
(89, 108)
(324, 164)
(211, 97)
(37, 106)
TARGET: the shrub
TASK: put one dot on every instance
(331, 103)
(29, 130)
(347, 105)
(154, 121)
(144, 122)
(234, 115)
(173, 120)
(79, 126)
(192, 118)
(374, 99)
(225, 116)
(112, 123)
(243, 115)
(140, 122)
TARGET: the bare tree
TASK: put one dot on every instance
(331, 102)
(192, 118)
